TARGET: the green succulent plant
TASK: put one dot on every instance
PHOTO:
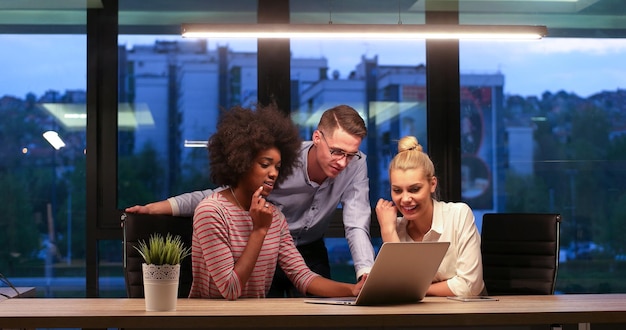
(159, 250)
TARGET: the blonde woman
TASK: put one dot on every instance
(424, 218)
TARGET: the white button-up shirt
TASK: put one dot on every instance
(462, 265)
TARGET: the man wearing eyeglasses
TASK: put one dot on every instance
(332, 171)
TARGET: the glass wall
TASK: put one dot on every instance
(171, 92)
(555, 143)
(42, 183)
(497, 112)
(542, 122)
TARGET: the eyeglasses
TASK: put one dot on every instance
(338, 154)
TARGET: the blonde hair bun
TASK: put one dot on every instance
(408, 143)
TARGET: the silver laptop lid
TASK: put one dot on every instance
(402, 272)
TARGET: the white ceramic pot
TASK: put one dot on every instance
(160, 286)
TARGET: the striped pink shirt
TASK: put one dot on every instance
(220, 234)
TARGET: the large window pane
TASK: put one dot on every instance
(171, 92)
(42, 227)
(554, 142)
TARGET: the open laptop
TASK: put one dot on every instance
(401, 274)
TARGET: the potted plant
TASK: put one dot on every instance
(161, 270)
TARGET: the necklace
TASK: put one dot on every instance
(235, 197)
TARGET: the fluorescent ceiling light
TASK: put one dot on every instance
(53, 138)
(363, 31)
(73, 116)
(195, 144)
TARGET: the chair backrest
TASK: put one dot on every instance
(139, 227)
(520, 253)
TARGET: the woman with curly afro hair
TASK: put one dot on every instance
(239, 237)
(242, 133)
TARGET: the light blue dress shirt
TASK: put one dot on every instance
(308, 206)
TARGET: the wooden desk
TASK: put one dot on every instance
(276, 313)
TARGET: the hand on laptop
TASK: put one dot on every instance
(359, 285)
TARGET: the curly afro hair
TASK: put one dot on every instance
(242, 133)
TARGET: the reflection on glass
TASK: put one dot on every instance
(479, 107)
(171, 91)
(552, 141)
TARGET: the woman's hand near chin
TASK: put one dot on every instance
(387, 213)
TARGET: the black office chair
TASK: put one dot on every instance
(520, 253)
(139, 227)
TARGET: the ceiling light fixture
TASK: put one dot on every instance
(54, 139)
(363, 31)
(195, 144)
